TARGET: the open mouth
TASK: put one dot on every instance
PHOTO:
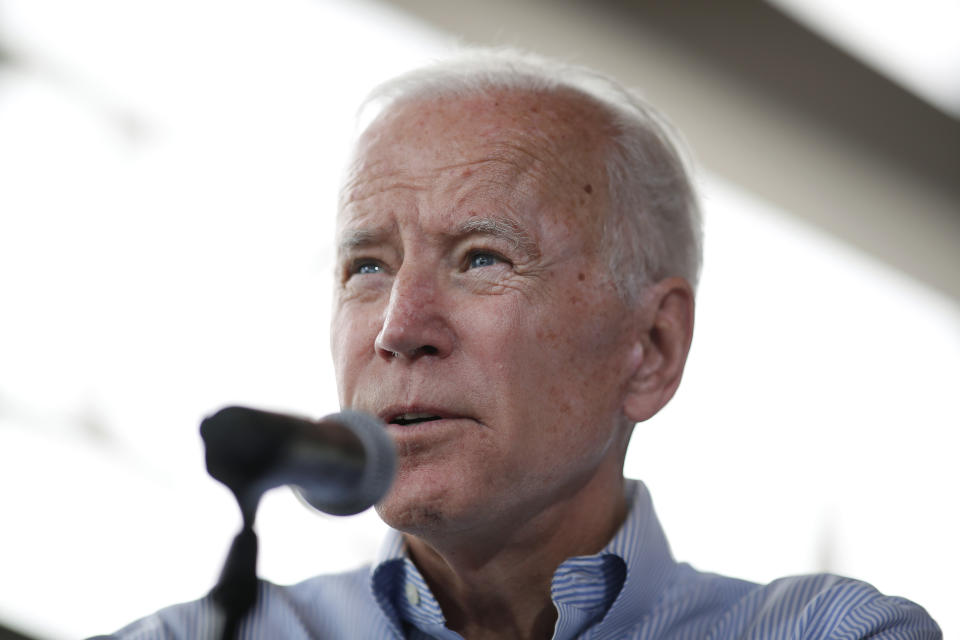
(413, 418)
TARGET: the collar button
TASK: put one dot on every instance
(413, 595)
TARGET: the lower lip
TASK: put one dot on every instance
(427, 426)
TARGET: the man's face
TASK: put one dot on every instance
(474, 311)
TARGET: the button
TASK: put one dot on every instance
(413, 595)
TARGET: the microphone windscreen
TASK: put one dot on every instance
(375, 478)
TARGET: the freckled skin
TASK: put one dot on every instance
(529, 350)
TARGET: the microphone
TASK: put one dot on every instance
(341, 464)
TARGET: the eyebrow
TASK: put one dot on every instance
(496, 227)
(359, 238)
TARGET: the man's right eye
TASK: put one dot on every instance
(366, 267)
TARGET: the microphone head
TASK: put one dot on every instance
(341, 464)
(376, 475)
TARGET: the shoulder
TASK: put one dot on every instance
(794, 608)
(328, 606)
(198, 618)
(826, 605)
(331, 600)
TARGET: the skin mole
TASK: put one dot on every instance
(548, 335)
(588, 188)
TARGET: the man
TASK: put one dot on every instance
(518, 250)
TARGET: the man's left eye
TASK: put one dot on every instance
(481, 259)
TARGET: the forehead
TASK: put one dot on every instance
(505, 144)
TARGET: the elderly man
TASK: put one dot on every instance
(518, 250)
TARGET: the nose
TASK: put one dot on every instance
(415, 323)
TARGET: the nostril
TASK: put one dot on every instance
(425, 350)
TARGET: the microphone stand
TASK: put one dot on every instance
(236, 590)
(252, 451)
(239, 460)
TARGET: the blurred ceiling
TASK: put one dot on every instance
(913, 43)
(800, 71)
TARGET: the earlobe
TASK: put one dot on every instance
(666, 331)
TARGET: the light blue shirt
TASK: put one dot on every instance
(633, 589)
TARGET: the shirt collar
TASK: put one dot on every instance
(609, 589)
(642, 546)
(401, 592)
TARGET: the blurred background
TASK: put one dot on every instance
(168, 177)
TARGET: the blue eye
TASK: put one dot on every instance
(482, 260)
(367, 268)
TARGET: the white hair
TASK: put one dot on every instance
(654, 230)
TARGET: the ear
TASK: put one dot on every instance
(665, 330)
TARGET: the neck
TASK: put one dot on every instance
(496, 583)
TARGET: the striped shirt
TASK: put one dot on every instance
(633, 589)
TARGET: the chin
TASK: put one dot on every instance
(417, 520)
(416, 510)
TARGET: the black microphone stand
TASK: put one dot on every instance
(252, 451)
(240, 461)
(236, 589)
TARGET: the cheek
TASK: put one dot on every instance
(576, 332)
(352, 337)
(575, 358)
